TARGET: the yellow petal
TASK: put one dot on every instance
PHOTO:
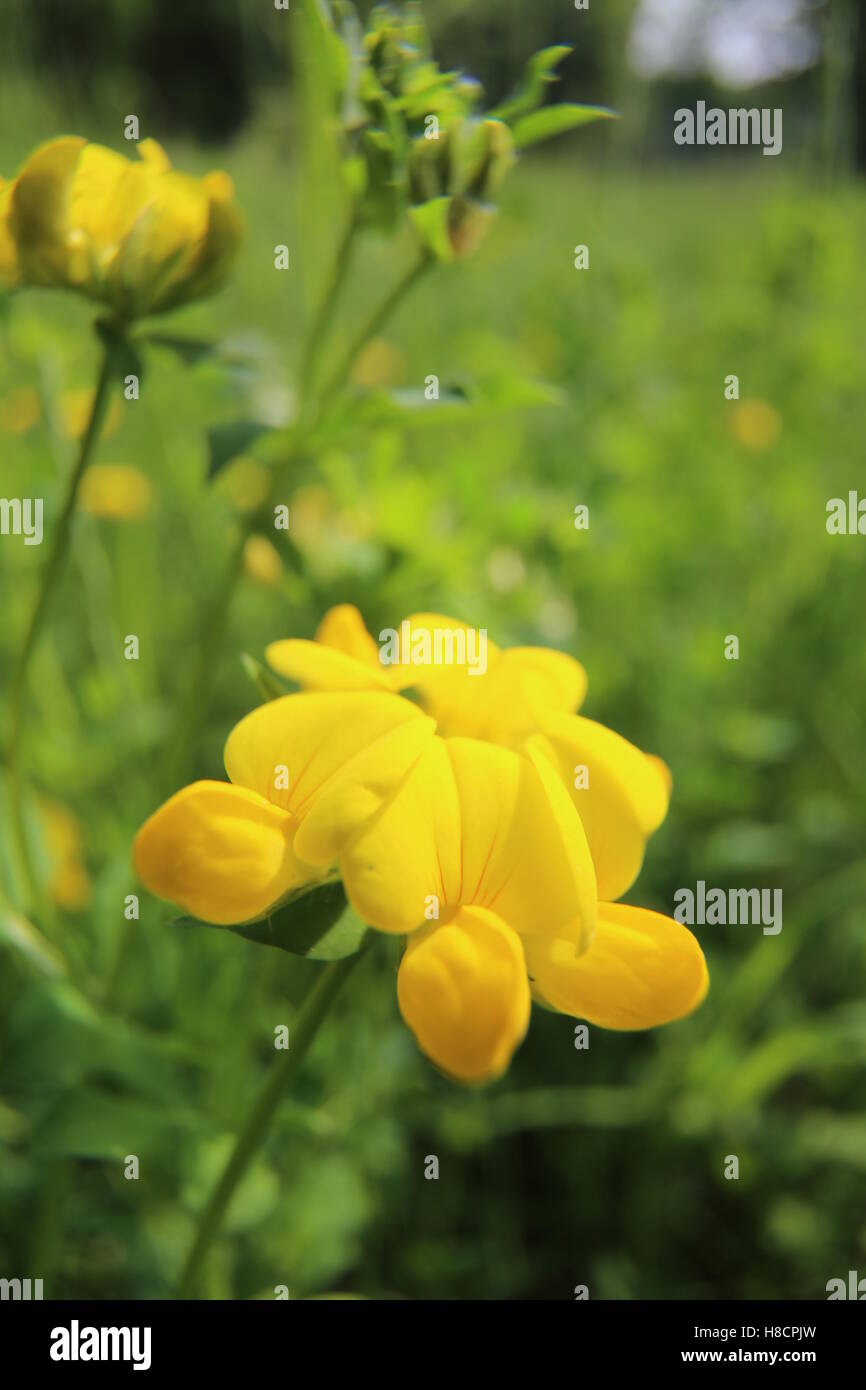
(222, 853)
(161, 249)
(347, 751)
(344, 629)
(9, 269)
(38, 215)
(317, 667)
(343, 656)
(474, 825)
(525, 854)
(411, 852)
(463, 991)
(625, 800)
(504, 703)
(222, 238)
(642, 970)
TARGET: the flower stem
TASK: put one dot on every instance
(374, 324)
(304, 1030)
(322, 321)
(50, 575)
(216, 621)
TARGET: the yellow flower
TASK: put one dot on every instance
(133, 234)
(496, 863)
(262, 561)
(640, 969)
(114, 492)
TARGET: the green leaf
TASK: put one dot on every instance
(554, 120)
(317, 922)
(226, 442)
(21, 935)
(431, 221)
(267, 685)
(529, 92)
(190, 350)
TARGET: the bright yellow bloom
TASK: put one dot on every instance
(496, 862)
(115, 492)
(133, 234)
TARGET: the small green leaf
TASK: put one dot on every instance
(529, 92)
(431, 221)
(226, 442)
(190, 350)
(317, 922)
(267, 685)
(554, 120)
(19, 933)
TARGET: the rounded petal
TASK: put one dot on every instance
(642, 969)
(623, 801)
(346, 750)
(474, 825)
(411, 852)
(344, 629)
(222, 853)
(318, 667)
(503, 703)
(38, 215)
(524, 852)
(463, 991)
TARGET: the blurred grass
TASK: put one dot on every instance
(707, 517)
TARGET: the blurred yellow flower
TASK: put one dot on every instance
(755, 423)
(74, 411)
(69, 882)
(20, 410)
(135, 235)
(247, 483)
(379, 364)
(115, 492)
(262, 561)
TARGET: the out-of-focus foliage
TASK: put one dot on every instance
(605, 1166)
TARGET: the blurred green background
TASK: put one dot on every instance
(707, 517)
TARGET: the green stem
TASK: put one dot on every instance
(322, 321)
(50, 575)
(303, 1031)
(374, 325)
(217, 619)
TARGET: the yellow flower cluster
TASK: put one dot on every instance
(135, 235)
(455, 819)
